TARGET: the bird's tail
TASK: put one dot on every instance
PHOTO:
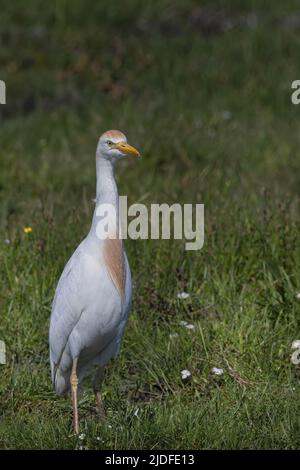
(61, 382)
(60, 378)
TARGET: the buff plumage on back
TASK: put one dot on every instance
(114, 262)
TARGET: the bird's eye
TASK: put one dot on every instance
(109, 142)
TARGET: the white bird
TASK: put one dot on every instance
(93, 295)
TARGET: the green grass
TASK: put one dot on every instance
(76, 69)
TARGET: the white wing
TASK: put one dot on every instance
(67, 308)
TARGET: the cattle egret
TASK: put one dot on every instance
(93, 295)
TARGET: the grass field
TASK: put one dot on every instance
(203, 89)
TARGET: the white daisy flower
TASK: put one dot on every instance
(217, 371)
(183, 295)
(185, 374)
(296, 344)
(187, 325)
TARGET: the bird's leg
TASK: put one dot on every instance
(74, 387)
(97, 382)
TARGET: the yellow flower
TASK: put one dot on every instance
(27, 229)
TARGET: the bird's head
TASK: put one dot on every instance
(113, 145)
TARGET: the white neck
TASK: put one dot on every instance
(106, 189)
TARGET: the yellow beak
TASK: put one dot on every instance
(127, 149)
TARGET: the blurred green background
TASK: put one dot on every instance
(203, 89)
